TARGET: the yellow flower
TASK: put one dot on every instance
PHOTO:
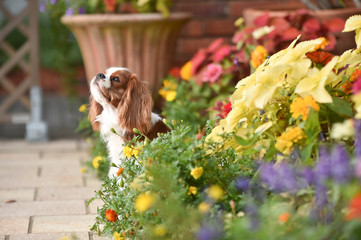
(197, 172)
(65, 238)
(160, 230)
(83, 170)
(286, 140)
(96, 161)
(83, 108)
(215, 192)
(168, 91)
(117, 236)
(169, 96)
(204, 207)
(258, 56)
(323, 44)
(144, 201)
(300, 107)
(314, 83)
(129, 151)
(186, 71)
(192, 190)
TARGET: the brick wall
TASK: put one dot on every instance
(213, 19)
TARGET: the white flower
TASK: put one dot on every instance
(342, 130)
(260, 32)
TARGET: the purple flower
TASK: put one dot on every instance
(269, 176)
(209, 232)
(280, 179)
(323, 166)
(357, 126)
(69, 12)
(308, 176)
(53, 2)
(321, 197)
(42, 7)
(287, 177)
(242, 184)
(340, 165)
(236, 63)
(81, 10)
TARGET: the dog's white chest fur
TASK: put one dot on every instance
(114, 141)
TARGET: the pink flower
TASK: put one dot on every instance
(356, 88)
(221, 53)
(212, 73)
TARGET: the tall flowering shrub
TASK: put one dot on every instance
(202, 88)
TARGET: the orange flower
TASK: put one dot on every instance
(258, 56)
(347, 87)
(111, 215)
(284, 217)
(354, 208)
(120, 171)
(299, 107)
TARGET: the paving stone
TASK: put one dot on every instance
(83, 145)
(51, 236)
(97, 203)
(51, 146)
(60, 170)
(14, 225)
(39, 163)
(19, 156)
(92, 181)
(2, 237)
(96, 237)
(42, 208)
(68, 223)
(65, 193)
(82, 156)
(19, 195)
(25, 172)
(55, 181)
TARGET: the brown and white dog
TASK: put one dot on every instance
(120, 101)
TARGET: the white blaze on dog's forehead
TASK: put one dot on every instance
(112, 70)
(109, 72)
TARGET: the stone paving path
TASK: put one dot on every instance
(43, 194)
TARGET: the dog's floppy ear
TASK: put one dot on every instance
(135, 107)
(95, 109)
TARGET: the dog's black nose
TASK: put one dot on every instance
(101, 75)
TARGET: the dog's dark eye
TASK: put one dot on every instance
(116, 79)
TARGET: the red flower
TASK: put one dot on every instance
(175, 72)
(110, 5)
(320, 57)
(111, 215)
(354, 208)
(226, 109)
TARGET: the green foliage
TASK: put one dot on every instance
(164, 167)
(58, 47)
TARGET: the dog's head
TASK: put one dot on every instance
(120, 89)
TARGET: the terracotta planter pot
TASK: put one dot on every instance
(144, 43)
(345, 40)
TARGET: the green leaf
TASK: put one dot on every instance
(340, 106)
(163, 8)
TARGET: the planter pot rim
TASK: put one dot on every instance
(129, 17)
